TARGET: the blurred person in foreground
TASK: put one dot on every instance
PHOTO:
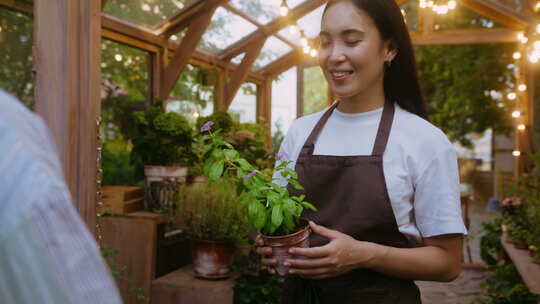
(47, 255)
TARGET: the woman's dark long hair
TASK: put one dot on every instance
(400, 79)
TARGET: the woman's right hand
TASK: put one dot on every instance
(265, 252)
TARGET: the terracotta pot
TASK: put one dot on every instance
(161, 186)
(281, 244)
(212, 259)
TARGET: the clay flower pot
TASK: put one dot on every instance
(212, 259)
(281, 244)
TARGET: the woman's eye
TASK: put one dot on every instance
(353, 42)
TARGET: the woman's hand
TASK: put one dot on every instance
(342, 254)
(264, 252)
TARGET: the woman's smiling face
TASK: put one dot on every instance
(352, 52)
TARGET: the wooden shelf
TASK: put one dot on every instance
(529, 271)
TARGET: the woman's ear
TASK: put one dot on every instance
(391, 51)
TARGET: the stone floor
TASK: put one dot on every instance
(467, 286)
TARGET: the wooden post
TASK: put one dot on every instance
(300, 91)
(219, 91)
(264, 106)
(68, 55)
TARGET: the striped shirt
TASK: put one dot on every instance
(47, 255)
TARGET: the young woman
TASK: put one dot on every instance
(385, 181)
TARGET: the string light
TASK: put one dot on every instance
(307, 49)
(293, 29)
(521, 127)
(441, 9)
(538, 28)
(284, 8)
(195, 114)
(146, 8)
(118, 57)
(511, 96)
(516, 114)
(522, 87)
(516, 153)
(303, 39)
(174, 37)
(313, 53)
(516, 55)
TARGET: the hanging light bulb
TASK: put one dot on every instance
(452, 4)
(520, 36)
(196, 114)
(536, 45)
(522, 87)
(284, 8)
(146, 8)
(307, 49)
(516, 114)
(538, 28)
(118, 57)
(516, 55)
(313, 53)
(511, 96)
(516, 153)
(537, 6)
(293, 29)
(524, 39)
(521, 127)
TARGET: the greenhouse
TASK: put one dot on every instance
(189, 136)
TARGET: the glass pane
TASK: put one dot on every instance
(263, 11)
(244, 105)
(462, 18)
(193, 95)
(16, 76)
(226, 28)
(124, 70)
(410, 10)
(238, 59)
(272, 50)
(284, 88)
(146, 13)
(292, 34)
(311, 23)
(125, 87)
(315, 90)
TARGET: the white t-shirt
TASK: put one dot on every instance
(419, 163)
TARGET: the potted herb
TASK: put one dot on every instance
(271, 208)
(162, 146)
(215, 221)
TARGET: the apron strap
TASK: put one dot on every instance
(383, 132)
(385, 125)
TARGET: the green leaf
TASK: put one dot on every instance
(231, 154)
(277, 216)
(244, 164)
(216, 170)
(308, 205)
(296, 185)
(206, 149)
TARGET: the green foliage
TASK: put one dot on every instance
(222, 121)
(117, 167)
(490, 242)
(315, 90)
(504, 286)
(458, 89)
(161, 139)
(261, 288)
(270, 207)
(16, 76)
(213, 211)
(249, 140)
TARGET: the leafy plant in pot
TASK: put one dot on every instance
(271, 209)
(215, 221)
(162, 146)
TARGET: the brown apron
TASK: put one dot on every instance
(351, 197)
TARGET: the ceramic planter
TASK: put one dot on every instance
(212, 259)
(161, 185)
(281, 244)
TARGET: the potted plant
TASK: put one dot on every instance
(215, 221)
(271, 209)
(162, 146)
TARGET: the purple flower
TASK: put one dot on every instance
(206, 126)
(250, 174)
(282, 155)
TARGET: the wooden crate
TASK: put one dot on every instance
(122, 199)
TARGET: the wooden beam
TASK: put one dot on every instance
(103, 3)
(299, 91)
(499, 13)
(135, 36)
(220, 91)
(183, 18)
(480, 36)
(264, 107)
(185, 50)
(244, 16)
(21, 6)
(282, 64)
(68, 91)
(239, 75)
(273, 27)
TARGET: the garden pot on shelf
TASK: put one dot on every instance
(161, 185)
(212, 259)
(198, 180)
(281, 244)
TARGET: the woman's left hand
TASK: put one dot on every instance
(342, 254)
